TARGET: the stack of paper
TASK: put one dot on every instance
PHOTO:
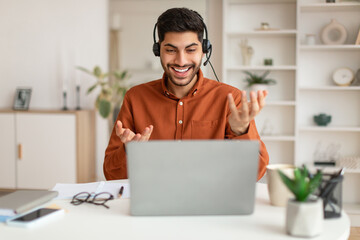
(67, 191)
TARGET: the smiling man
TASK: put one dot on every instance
(183, 104)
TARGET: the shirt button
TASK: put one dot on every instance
(181, 103)
(180, 121)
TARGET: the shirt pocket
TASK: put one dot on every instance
(204, 129)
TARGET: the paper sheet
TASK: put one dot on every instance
(67, 191)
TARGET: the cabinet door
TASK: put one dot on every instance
(7, 150)
(48, 149)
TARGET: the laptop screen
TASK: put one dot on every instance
(192, 177)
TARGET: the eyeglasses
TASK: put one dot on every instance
(97, 199)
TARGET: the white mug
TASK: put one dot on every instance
(278, 192)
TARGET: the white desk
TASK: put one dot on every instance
(88, 221)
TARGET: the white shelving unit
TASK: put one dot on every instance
(304, 78)
(317, 92)
(242, 19)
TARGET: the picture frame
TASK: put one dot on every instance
(22, 98)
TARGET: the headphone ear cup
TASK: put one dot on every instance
(156, 49)
(206, 46)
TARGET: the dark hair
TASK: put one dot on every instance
(180, 20)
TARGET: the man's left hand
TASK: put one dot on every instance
(240, 119)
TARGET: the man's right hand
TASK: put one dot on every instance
(126, 135)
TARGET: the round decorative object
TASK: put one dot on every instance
(322, 119)
(334, 33)
(343, 76)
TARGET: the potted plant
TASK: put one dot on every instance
(111, 94)
(304, 214)
(258, 82)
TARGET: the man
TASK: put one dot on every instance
(183, 104)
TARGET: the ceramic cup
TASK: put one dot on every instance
(278, 192)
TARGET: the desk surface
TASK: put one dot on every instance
(88, 221)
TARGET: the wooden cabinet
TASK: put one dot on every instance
(42, 148)
(7, 151)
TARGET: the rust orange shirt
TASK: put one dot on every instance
(202, 114)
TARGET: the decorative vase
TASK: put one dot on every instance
(334, 33)
(304, 219)
(322, 119)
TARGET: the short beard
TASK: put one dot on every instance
(195, 72)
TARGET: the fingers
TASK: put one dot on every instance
(244, 105)
(146, 133)
(254, 105)
(126, 135)
(118, 128)
(232, 104)
(261, 98)
(265, 93)
(240, 118)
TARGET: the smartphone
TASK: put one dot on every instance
(36, 217)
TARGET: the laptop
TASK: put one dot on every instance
(192, 177)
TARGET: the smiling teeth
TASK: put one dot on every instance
(181, 70)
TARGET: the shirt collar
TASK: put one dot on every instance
(193, 91)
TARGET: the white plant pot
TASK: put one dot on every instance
(304, 219)
(257, 87)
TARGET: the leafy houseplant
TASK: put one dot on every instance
(253, 79)
(304, 217)
(111, 92)
(303, 183)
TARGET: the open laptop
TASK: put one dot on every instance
(192, 177)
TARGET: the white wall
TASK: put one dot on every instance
(137, 20)
(214, 26)
(41, 40)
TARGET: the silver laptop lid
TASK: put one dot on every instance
(192, 177)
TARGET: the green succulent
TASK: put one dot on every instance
(111, 92)
(303, 183)
(253, 78)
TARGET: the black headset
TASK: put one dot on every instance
(206, 45)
